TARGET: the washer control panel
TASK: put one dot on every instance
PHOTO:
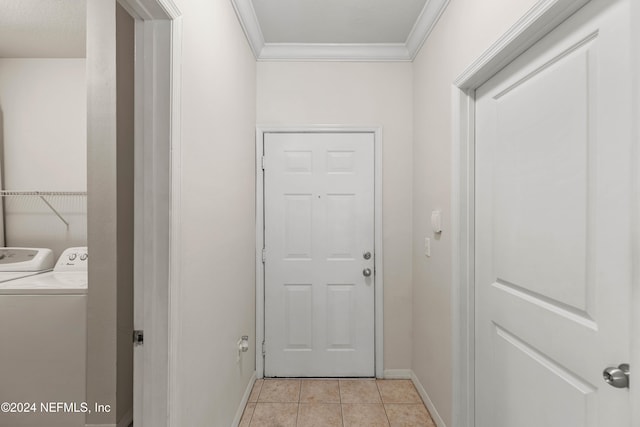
(25, 259)
(73, 259)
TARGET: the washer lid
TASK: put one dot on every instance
(25, 259)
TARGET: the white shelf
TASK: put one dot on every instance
(42, 195)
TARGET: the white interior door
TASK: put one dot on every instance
(319, 224)
(553, 213)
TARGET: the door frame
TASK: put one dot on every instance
(378, 240)
(528, 30)
(157, 85)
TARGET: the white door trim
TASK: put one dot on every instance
(158, 33)
(535, 24)
(378, 265)
(635, 218)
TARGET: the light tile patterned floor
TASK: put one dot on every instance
(335, 403)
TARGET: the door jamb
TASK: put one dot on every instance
(634, 392)
(535, 24)
(379, 257)
(158, 41)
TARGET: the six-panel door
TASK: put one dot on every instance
(319, 223)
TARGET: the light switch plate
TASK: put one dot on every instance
(427, 247)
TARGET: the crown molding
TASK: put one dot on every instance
(170, 9)
(334, 52)
(407, 51)
(151, 9)
(250, 25)
(425, 23)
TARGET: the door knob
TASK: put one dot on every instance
(366, 272)
(617, 377)
(366, 255)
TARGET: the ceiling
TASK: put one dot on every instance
(42, 28)
(337, 29)
(337, 21)
(391, 30)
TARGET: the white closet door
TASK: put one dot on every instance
(553, 228)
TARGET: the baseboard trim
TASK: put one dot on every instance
(245, 399)
(397, 374)
(427, 401)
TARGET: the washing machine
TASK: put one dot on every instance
(69, 276)
(16, 263)
(43, 331)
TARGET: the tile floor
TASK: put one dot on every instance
(335, 403)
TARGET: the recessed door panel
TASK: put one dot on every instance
(536, 389)
(297, 226)
(297, 162)
(341, 226)
(341, 327)
(541, 186)
(298, 314)
(341, 162)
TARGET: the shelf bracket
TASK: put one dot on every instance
(55, 211)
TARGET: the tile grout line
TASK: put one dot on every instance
(299, 395)
(298, 414)
(340, 397)
(384, 408)
(256, 403)
(340, 402)
(252, 412)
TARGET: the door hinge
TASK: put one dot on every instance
(138, 337)
(264, 351)
(263, 162)
(264, 255)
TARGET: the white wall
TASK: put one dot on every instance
(466, 29)
(44, 130)
(217, 280)
(356, 93)
(110, 210)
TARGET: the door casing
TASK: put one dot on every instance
(158, 41)
(531, 28)
(378, 264)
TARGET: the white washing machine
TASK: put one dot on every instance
(16, 263)
(69, 276)
(43, 331)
